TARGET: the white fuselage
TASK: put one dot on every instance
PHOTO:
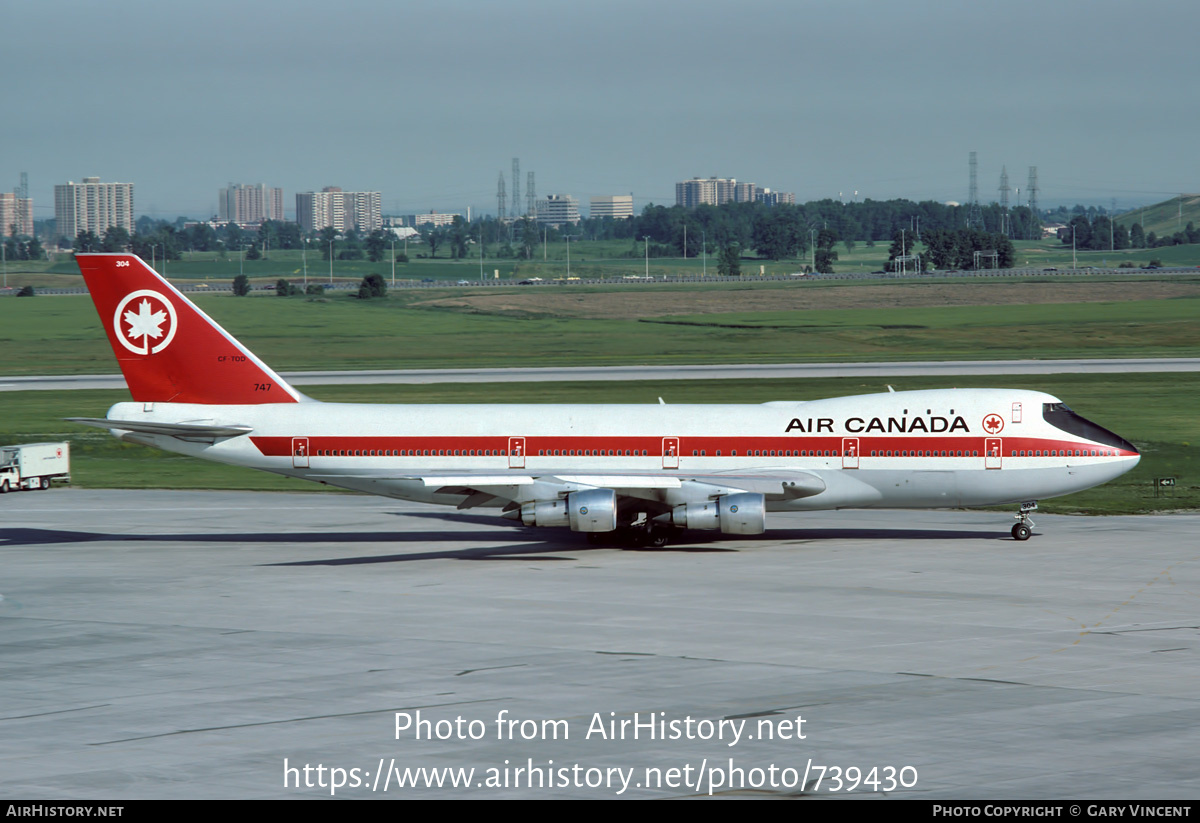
(919, 449)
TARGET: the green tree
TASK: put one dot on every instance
(116, 239)
(435, 237)
(282, 287)
(241, 285)
(825, 259)
(530, 237)
(458, 238)
(87, 241)
(253, 253)
(1137, 236)
(372, 286)
(777, 233)
(730, 262)
(327, 239)
(378, 243)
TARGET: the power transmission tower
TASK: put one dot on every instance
(1031, 189)
(1005, 225)
(530, 196)
(501, 200)
(516, 198)
(974, 215)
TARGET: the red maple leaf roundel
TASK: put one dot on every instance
(145, 322)
(993, 423)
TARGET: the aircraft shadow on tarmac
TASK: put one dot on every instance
(544, 545)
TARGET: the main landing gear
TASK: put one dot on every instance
(1024, 526)
(635, 536)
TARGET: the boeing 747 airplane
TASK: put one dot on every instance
(636, 474)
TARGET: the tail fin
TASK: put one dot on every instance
(169, 350)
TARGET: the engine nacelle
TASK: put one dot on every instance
(590, 510)
(545, 513)
(593, 510)
(742, 513)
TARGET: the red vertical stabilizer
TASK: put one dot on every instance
(169, 350)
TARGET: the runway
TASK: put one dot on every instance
(187, 644)
(683, 372)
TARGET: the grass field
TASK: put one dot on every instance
(1167, 217)
(1155, 411)
(61, 335)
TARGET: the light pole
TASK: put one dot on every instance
(481, 250)
(568, 237)
(304, 259)
(812, 241)
(330, 262)
(704, 250)
(646, 237)
(393, 261)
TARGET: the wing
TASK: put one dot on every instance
(660, 490)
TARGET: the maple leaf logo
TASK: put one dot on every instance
(145, 322)
(993, 423)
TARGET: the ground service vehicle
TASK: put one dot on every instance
(34, 465)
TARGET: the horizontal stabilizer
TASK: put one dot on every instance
(183, 431)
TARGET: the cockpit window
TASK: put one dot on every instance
(1061, 417)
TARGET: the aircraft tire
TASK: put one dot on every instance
(1021, 532)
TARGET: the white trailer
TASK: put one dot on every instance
(34, 465)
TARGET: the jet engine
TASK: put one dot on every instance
(590, 510)
(742, 513)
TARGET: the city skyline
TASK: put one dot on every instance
(830, 99)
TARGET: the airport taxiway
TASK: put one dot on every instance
(724, 371)
(185, 644)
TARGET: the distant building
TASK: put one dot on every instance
(557, 210)
(618, 206)
(701, 190)
(92, 206)
(776, 198)
(249, 205)
(433, 218)
(16, 215)
(344, 210)
(746, 193)
(717, 191)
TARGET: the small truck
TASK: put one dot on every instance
(34, 465)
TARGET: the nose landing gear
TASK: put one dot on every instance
(1024, 525)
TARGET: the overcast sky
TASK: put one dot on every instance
(429, 101)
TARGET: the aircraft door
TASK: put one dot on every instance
(993, 448)
(1016, 412)
(670, 451)
(516, 452)
(849, 452)
(299, 452)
